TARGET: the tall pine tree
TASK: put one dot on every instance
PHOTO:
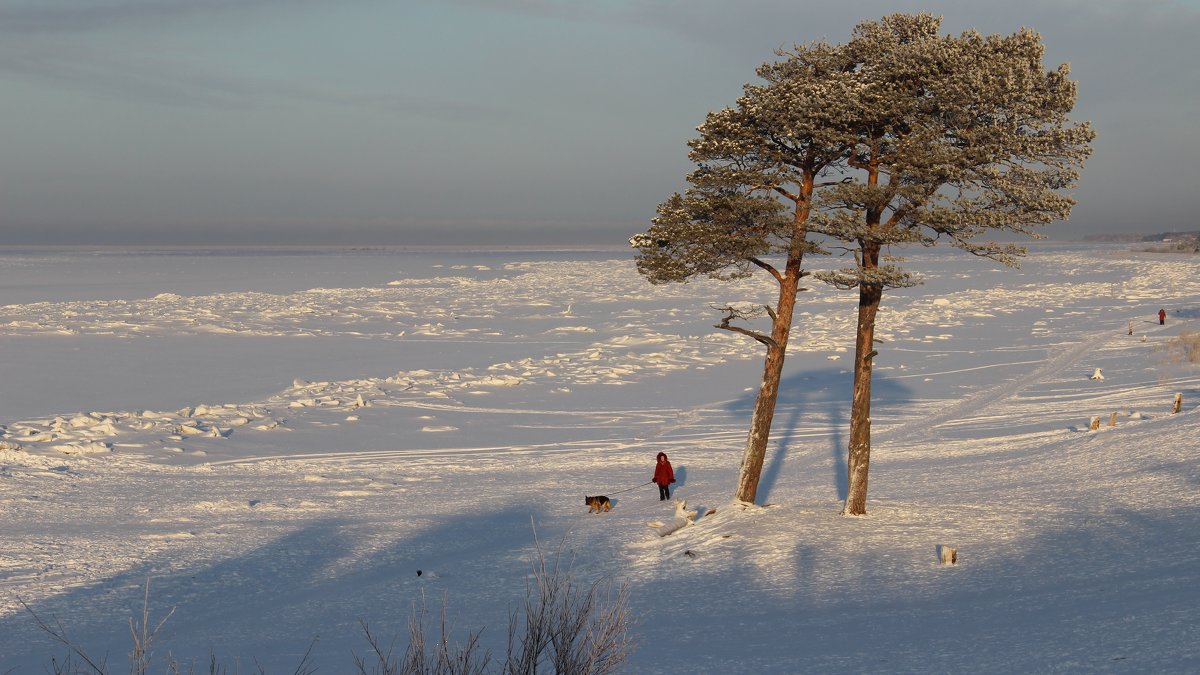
(900, 136)
(958, 137)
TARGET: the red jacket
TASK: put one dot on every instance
(663, 473)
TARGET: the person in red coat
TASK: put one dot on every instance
(1162, 316)
(664, 475)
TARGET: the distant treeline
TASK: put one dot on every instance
(1189, 241)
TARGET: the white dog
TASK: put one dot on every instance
(682, 519)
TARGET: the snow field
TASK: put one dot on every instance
(270, 520)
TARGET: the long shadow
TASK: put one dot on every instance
(1102, 592)
(1184, 313)
(822, 395)
(841, 475)
(257, 609)
(1111, 594)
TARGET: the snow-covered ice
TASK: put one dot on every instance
(279, 440)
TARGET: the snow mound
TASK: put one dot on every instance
(498, 381)
(86, 448)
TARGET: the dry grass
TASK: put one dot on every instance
(562, 627)
(1182, 349)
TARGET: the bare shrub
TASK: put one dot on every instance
(76, 660)
(1189, 344)
(562, 626)
(141, 655)
(443, 657)
(574, 629)
(143, 638)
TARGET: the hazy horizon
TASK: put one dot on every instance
(270, 122)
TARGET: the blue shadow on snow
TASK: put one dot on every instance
(815, 404)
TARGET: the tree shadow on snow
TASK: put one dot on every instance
(1184, 313)
(1097, 592)
(258, 608)
(815, 404)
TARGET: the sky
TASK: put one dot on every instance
(485, 122)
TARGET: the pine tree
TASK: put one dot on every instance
(759, 164)
(901, 136)
(958, 137)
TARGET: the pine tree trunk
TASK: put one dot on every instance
(760, 426)
(768, 392)
(859, 457)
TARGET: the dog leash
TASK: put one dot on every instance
(632, 488)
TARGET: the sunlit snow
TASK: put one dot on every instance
(280, 440)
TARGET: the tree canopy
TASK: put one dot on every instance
(956, 137)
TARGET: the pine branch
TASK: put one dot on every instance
(768, 267)
(732, 313)
(765, 339)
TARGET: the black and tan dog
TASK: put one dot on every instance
(598, 503)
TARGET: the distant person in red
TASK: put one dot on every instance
(664, 475)
(1162, 316)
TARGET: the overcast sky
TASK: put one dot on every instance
(485, 121)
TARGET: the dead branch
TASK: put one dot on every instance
(732, 313)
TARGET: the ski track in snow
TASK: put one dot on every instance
(339, 490)
(925, 428)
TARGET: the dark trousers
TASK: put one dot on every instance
(664, 492)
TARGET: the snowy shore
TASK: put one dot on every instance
(279, 442)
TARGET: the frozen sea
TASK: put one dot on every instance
(75, 366)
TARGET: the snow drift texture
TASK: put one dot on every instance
(279, 441)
